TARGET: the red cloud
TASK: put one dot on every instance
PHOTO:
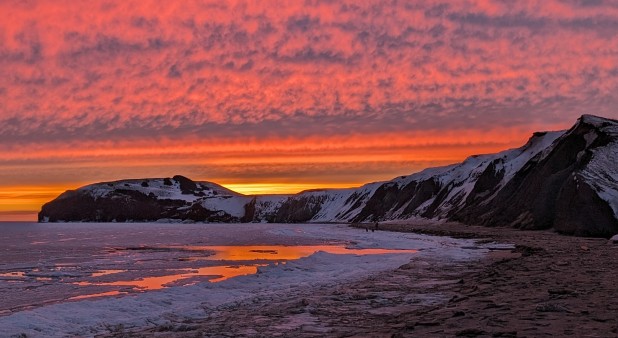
(87, 82)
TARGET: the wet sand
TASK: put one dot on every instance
(549, 285)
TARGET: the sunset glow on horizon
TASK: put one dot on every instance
(280, 97)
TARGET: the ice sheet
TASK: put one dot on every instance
(88, 316)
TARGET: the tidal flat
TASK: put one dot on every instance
(70, 279)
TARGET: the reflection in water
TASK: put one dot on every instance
(101, 294)
(230, 271)
(39, 266)
(220, 273)
(281, 252)
(106, 272)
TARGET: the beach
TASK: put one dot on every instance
(548, 285)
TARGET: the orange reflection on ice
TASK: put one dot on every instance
(233, 253)
(228, 271)
(106, 272)
(152, 283)
(101, 294)
(219, 273)
(282, 252)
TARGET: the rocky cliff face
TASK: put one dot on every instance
(177, 198)
(562, 180)
(570, 186)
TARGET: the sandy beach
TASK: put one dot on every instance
(548, 285)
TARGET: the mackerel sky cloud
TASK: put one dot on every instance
(324, 93)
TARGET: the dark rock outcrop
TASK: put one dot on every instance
(187, 186)
(299, 209)
(124, 205)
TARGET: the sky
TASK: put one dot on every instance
(282, 96)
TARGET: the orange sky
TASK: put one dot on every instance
(281, 97)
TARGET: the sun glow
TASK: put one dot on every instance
(249, 166)
(22, 203)
(282, 188)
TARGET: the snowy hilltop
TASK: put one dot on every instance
(564, 180)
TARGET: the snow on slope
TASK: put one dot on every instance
(512, 160)
(233, 205)
(353, 206)
(333, 202)
(515, 159)
(461, 178)
(602, 170)
(603, 180)
(462, 191)
(266, 205)
(336, 205)
(339, 205)
(177, 198)
(161, 188)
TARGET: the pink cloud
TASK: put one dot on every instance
(80, 78)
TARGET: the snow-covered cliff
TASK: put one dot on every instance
(564, 180)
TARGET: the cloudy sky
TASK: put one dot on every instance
(272, 96)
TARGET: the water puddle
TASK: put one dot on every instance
(214, 274)
(252, 256)
(280, 252)
(106, 272)
(157, 267)
(100, 294)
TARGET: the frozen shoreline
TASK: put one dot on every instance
(544, 284)
(88, 317)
